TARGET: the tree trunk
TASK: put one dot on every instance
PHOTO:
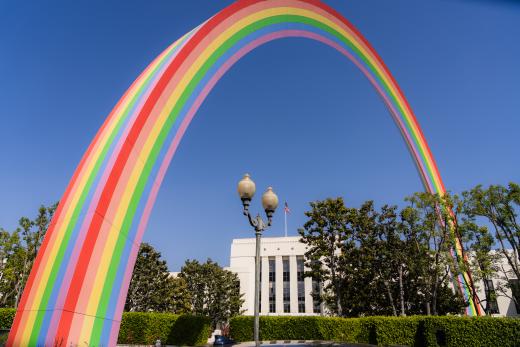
(338, 299)
(20, 284)
(434, 300)
(401, 290)
(389, 293)
(336, 283)
(390, 297)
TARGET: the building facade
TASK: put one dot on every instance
(284, 289)
(498, 293)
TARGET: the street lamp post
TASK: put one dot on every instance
(246, 190)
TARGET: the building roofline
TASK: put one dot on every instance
(268, 239)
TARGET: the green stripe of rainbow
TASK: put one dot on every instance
(76, 290)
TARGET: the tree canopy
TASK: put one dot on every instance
(200, 288)
(397, 261)
(18, 251)
(152, 288)
(215, 292)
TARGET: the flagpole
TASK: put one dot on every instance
(285, 214)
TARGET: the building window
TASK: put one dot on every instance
(272, 297)
(272, 286)
(515, 292)
(299, 268)
(286, 273)
(491, 299)
(286, 307)
(301, 297)
(316, 291)
(301, 285)
(286, 298)
(286, 286)
(272, 270)
(286, 292)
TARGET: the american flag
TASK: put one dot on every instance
(286, 208)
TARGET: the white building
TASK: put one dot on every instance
(503, 305)
(284, 289)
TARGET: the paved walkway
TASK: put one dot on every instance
(282, 343)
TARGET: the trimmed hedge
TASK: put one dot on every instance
(467, 331)
(144, 328)
(6, 320)
(395, 330)
(421, 331)
(296, 328)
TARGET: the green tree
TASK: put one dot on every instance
(12, 254)
(381, 262)
(152, 288)
(391, 258)
(429, 223)
(482, 262)
(352, 251)
(180, 296)
(18, 251)
(500, 206)
(329, 239)
(370, 275)
(215, 292)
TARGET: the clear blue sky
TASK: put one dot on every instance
(294, 114)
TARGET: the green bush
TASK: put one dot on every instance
(471, 331)
(296, 328)
(6, 317)
(6, 320)
(146, 327)
(404, 331)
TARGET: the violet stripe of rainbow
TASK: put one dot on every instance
(221, 41)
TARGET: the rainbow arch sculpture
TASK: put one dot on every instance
(76, 291)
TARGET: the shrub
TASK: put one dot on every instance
(6, 320)
(6, 317)
(146, 327)
(471, 331)
(406, 331)
(133, 329)
(395, 330)
(296, 328)
(190, 330)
